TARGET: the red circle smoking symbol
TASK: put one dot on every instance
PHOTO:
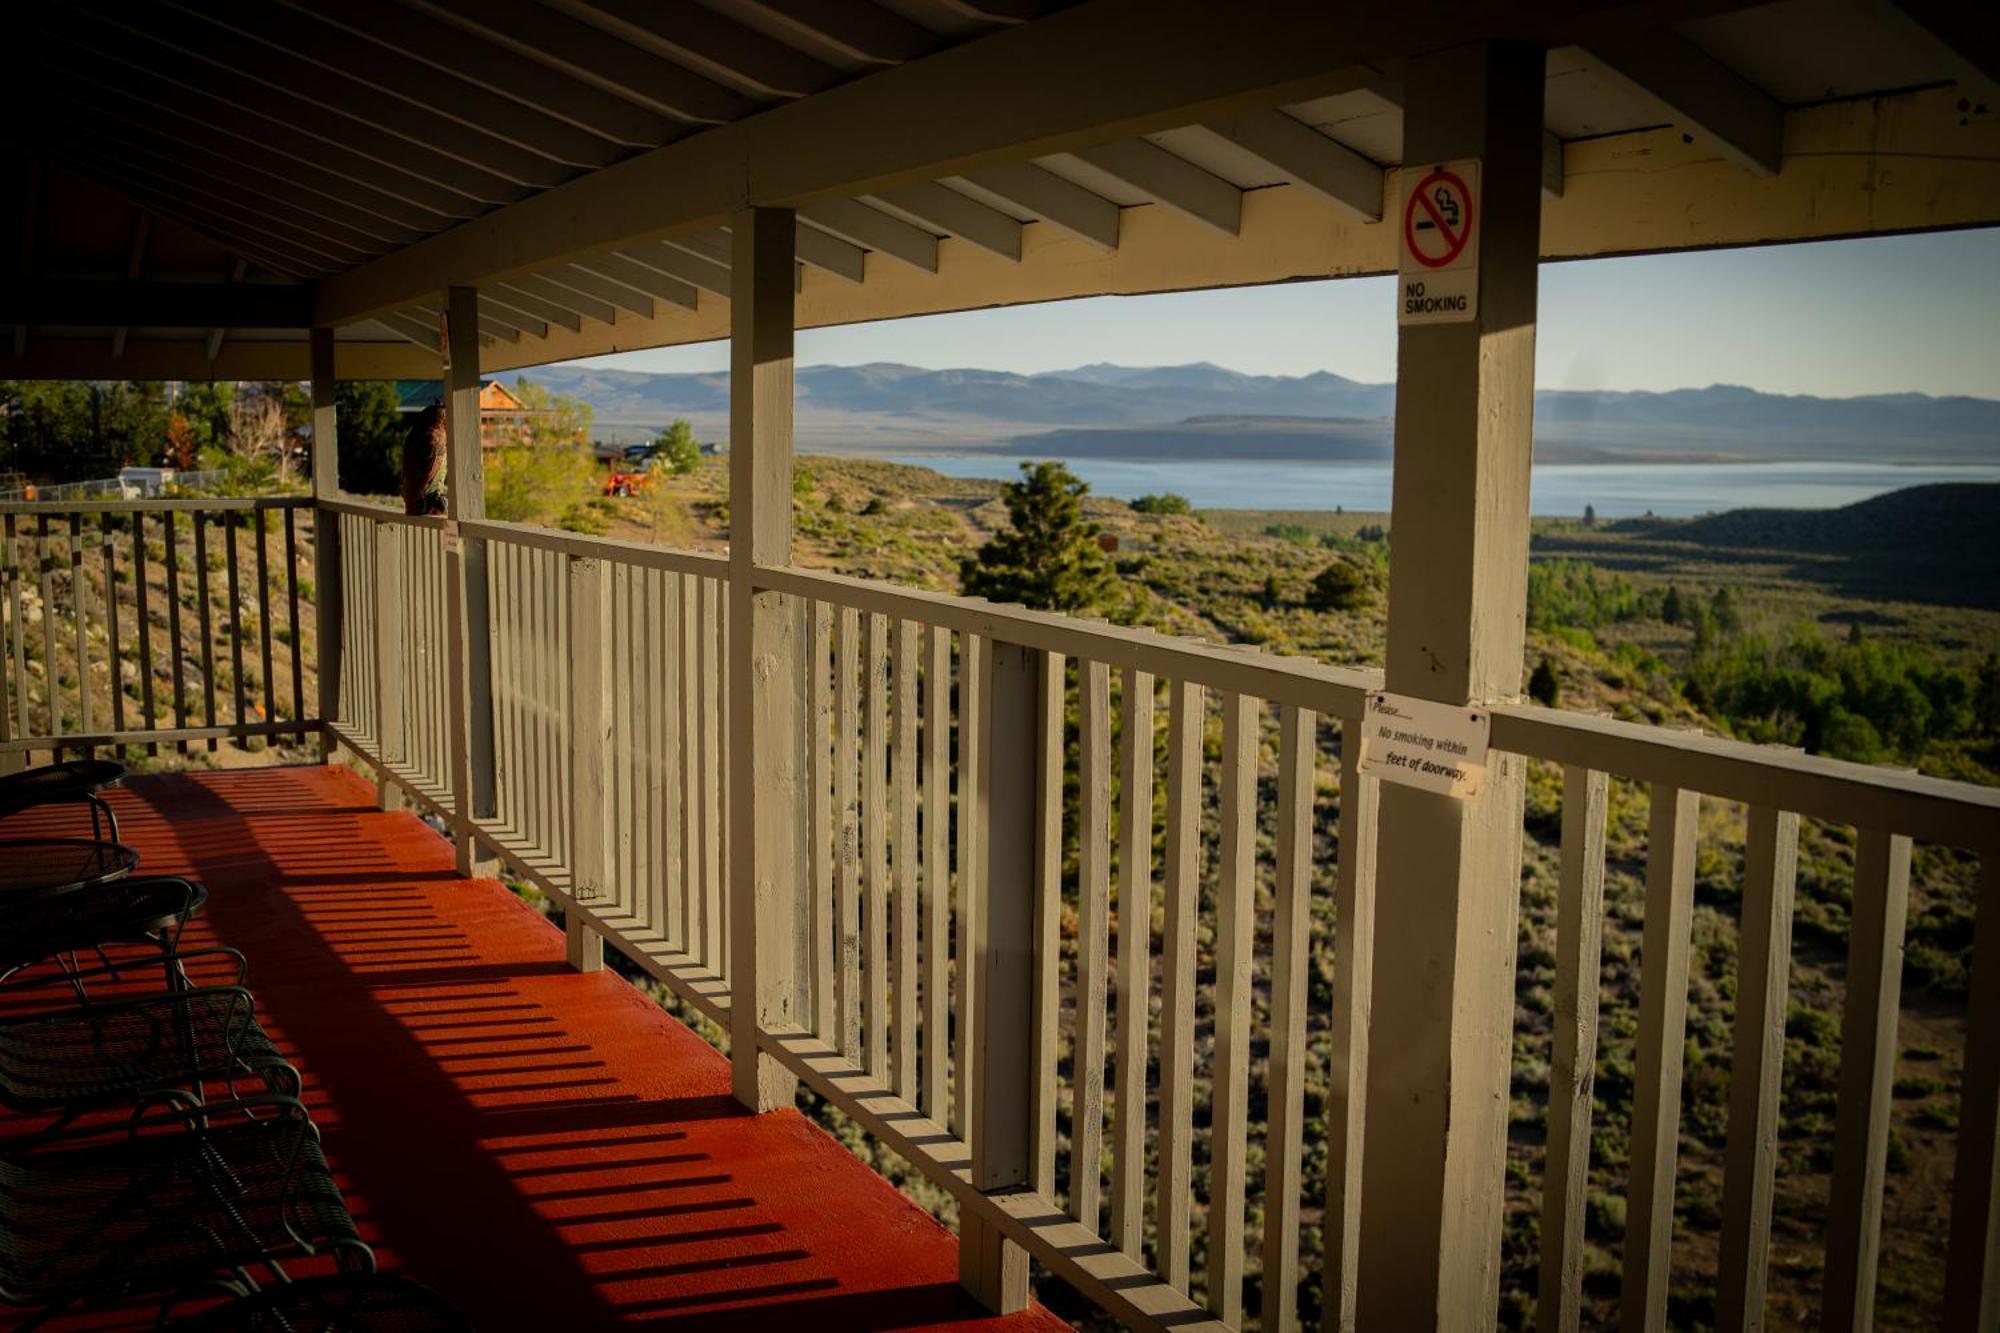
(1447, 208)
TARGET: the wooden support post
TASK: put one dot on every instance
(468, 626)
(1972, 1265)
(1003, 930)
(1433, 1170)
(768, 814)
(327, 587)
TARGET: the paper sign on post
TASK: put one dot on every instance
(1438, 276)
(1432, 746)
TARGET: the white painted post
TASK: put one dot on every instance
(768, 819)
(1433, 1173)
(327, 587)
(1002, 1123)
(469, 658)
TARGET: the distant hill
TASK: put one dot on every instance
(1207, 411)
(1924, 543)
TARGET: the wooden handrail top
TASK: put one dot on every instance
(642, 554)
(177, 505)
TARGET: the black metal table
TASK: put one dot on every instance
(33, 867)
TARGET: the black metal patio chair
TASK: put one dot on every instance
(80, 780)
(175, 1201)
(165, 1046)
(378, 1303)
(149, 912)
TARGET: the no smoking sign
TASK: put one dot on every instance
(1439, 272)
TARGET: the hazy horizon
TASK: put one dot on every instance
(1831, 319)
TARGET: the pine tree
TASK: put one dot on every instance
(1049, 558)
(1543, 687)
(677, 448)
(1590, 516)
(1670, 609)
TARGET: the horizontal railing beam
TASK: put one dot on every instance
(177, 505)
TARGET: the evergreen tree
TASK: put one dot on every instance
(1048, 559)
(1543, 687)
(1670, 609)
(1590, 516)
(1270, 592)
(371, 437)
(1341, 586)
(677, 448)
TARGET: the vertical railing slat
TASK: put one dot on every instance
(105, 528)
(712, 904)
(1756, 1071)
(971, 718)
(673, 686)
(79, 591)
(1093, 940)
(1353, 983)
(1051, 691)
(299, 710)
(904, 959)
(1135, 925)
(1183, 850)
(847, 883)
(142, 598)
(1656, 1117)
(234, 583)
(205, 614)
(51, 678)
(1236, 914)
(1291, 931)
(875, 847)
(936, 868)
(17, 633)
(1972, 1267)
(823, 846)
(270, 686)
(176, 657)
(1573, 1053)
(1868, 1050)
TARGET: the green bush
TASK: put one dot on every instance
(1341, 586)
(1163, 504)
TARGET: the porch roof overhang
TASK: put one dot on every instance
(193, 185)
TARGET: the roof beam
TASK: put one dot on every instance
(856, 29)
(875, 230)
(711, 43)
(1704, 97)
(500, 70)
(217, 334)
(592, 56)
(1173, 181)
(1325, 166)
(69, 358)
(175, 305)
(957, 113)
(959, 215)
(1058, 201)
(1552, 166)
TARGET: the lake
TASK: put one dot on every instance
(1617, 490)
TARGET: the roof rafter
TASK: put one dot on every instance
(1323, 165)
(1703, 96)
(386, 70)
(710, 43)
(1057, 201)
(592, 297)
(514, 294)
(673, 264)
(220, 331)
(854, 28)
(501, 70)
(958, 214)
(1173, 181)
(824, 251)
(875, 230)
(583, 52)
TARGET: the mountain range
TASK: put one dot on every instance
(1204, 411)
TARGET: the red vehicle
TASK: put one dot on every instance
(625, 483)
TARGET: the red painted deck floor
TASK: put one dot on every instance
(549, 1149)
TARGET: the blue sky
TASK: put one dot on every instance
(1884, 315)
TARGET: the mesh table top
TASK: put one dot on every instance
(30, 866)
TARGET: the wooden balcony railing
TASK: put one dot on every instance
(1020, 839)
(200, 599)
